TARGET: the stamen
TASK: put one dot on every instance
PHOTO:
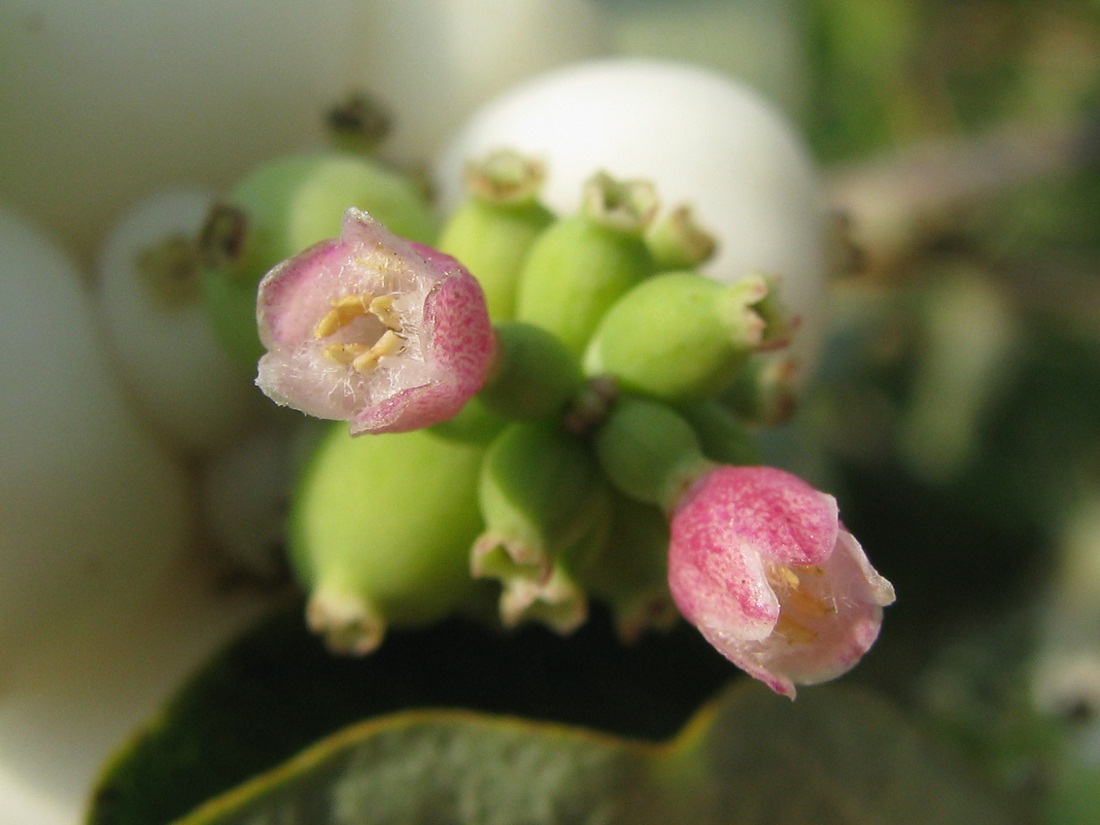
(794, 632)
(345, 353)
(793, 596)
(388, 344)
(344, 311)
(382, 308)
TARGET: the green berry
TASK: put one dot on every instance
(649, 451)
(630, 574)
(677, 241)
(537, 494)
(380, 530)
(582, 264)
(722, 435)
(492, 231)
(535, 375)
(679, 336)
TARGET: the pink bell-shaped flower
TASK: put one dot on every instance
(760, 563)
(373, 329)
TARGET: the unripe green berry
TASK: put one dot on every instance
(283, 207)
(535, 375)
(679, 336)
(649, 451)
(677, 241)
(630, 573)
(765, 393)
(722, 435)
(380, 530)
(475, 423)
(492, 231)
(582, 264)
(536, 492)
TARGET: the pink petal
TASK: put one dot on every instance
(446, 338)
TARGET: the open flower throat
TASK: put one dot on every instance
(373, 329)
(369, 344)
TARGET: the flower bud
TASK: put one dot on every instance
(582, 264)
(282, 208)
(649, 451)
(492, 231)
(760, 564)
(380, 532)
(681, 337)
(537, 492)
(374, 330)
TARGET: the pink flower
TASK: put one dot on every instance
(760, 563)
(372, 329)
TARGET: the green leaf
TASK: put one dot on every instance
(836, 756)
(448, 767)
(277, 690)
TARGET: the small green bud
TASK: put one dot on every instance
(536, 491)
(680, 336)
(492, 231)
(721, 433)
(286, 206)
(649, 451)
(535, 376)
(677, 241)
(380, 530)
(582, 264)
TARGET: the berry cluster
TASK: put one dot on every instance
(565, 404)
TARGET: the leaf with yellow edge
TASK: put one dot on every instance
(837, 755)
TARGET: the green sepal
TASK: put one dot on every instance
(679, 336)
(282, 208)
(534, 376)
(580, 266)
(379, 532)
(536, 492)
(649, 451)
(492, 231)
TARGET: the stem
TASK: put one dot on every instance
(897, 198)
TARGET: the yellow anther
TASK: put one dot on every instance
(388, 344)
(790, 578)
(806, 604)
(794, 596)
(344, 311)
(794, 632)
(345, 353)
(382, 308)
